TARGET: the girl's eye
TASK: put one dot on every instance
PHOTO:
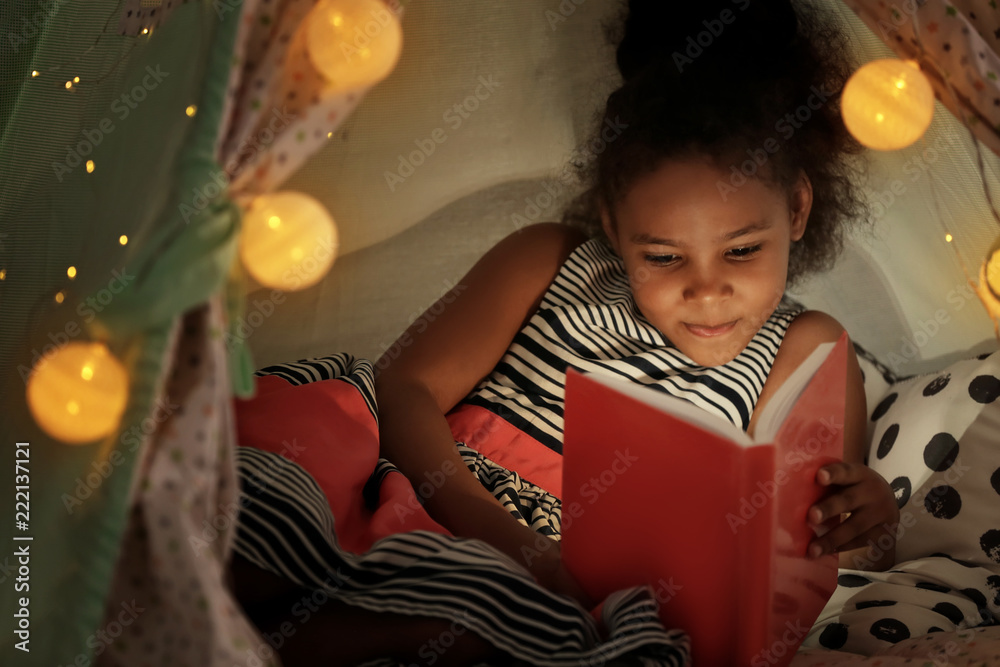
(661, 260)
(745, 252)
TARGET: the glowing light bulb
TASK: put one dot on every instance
(289, 241)
(191, 111)
(122, 239)
(353, 43)
(71, 272)
(90, 166)
(991, 270)
(78, 393)
(948, 238)
(60, 297)
(888, 104)
(34, 73)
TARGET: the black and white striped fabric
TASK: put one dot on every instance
(588, 320)
(286, 527)
(340, 366)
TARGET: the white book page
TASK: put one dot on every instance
(678, 407)
(777, 409)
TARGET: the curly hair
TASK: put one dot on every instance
(757, 90)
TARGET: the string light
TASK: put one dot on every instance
(90, 166)
(948, 238)
(289, 240)
(76, 79)
(78, 393)
(60, 297)
(3, 274)
(71, 272)
(353, 43)
(191, 111)
(34, 73)
(888, 104)
(69, 84)
(122, 240)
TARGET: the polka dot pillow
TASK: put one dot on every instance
(936, 440)
(878, 380)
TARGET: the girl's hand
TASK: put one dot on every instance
(543, 559)
(867, 497)
(550, 572)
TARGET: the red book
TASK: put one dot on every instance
(658, 491)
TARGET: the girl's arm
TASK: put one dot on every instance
(438, 366)
(865, 540)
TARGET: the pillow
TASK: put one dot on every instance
(936, 440)
(878, 380)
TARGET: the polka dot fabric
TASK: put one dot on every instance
(169, 604)
(870, 612)
(965, 648)
(935, 439)
(877, 378)
(936, 442)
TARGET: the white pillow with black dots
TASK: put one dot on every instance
(936, 440)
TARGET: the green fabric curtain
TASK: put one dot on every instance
(127, 114)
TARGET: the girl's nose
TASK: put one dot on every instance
(707, 285)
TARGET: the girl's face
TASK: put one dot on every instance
(707, 265)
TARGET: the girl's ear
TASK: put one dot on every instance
(801, 205)
(609, 228)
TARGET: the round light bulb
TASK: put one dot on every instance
(990, 271)
(887, 104)
(78, 393)
(353, 43)
(289, 240)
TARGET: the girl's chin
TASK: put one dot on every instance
(707, 354)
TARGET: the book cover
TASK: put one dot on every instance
(657, 491)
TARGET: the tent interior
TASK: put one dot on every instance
(469, 139)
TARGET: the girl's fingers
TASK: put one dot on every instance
(841, 502)
(857, 531)
(840, 473)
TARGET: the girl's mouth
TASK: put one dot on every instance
(710, 331)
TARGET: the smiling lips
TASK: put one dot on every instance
(710, 331)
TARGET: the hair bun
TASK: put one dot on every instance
(730, 32)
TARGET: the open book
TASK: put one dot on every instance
(658, 491)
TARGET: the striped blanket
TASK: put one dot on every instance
(320, 508)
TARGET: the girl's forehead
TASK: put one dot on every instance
(700, 184)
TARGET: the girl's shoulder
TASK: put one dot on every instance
(532, 257)
(541, 239)
(452, 351)
(809, 329)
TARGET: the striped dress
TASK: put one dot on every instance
(588, 320)
(319, 507)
